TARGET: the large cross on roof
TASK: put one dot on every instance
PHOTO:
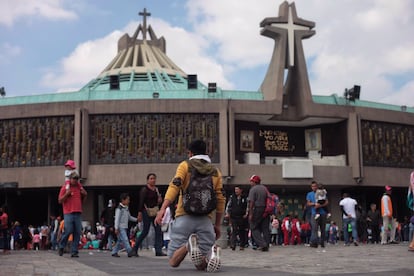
(144, 15)
(291, 26)
(288, 30)
(288, 22)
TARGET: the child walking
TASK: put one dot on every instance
(122, 217)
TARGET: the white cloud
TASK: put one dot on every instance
(8, 51)
(232, 27)
(11, 11)
(401, 96)
(83, 64)
(190, 52)
(380, 13)
(400, 59)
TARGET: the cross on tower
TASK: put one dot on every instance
(144, 15)
(288, 30)
(291, 27)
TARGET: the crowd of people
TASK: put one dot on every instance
(181, 222)
(314, 227)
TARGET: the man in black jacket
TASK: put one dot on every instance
(108, 219)
(236, 210)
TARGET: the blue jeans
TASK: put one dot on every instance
(53, 240)
(122, 238)
(73, 225)
(158, 233)
(345, 223)
(411, 232)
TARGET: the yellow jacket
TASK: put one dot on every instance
(181, 180)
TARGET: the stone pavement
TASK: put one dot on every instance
(290, 260)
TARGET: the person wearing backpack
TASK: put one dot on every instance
(192, 230)
(237, 211)
(259, 224)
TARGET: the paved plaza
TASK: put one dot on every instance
(290, 260)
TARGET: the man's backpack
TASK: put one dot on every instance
(199, 198)
(272, 201)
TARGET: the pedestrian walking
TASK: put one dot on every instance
(122, 217)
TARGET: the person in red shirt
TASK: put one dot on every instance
(295, 235)
(4, 228)
(305, 232)
(71, 196)
(286, 229)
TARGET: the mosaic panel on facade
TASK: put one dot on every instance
(31, 142)
(150, 138)
(387, 145)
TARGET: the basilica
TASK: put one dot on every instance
(141, 112)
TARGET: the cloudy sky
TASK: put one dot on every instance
(50, 46)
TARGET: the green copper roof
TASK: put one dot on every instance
(93, 95)
(202, 93)
(336, 100)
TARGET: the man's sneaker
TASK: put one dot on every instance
(115, 255)
(195, 252)
(317, 216)
(214, 262)
(355, 243)
(60, 251)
